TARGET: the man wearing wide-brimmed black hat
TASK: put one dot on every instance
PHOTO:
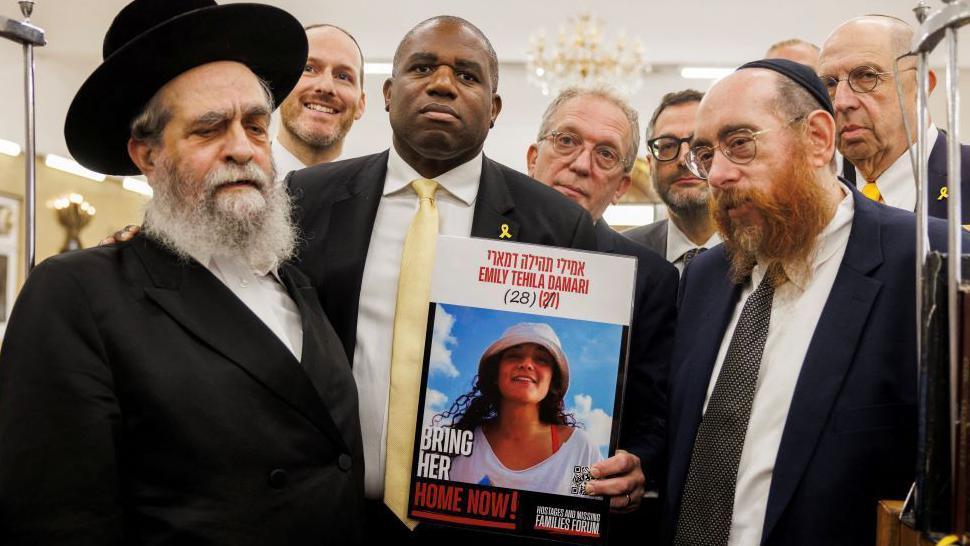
(183, 387)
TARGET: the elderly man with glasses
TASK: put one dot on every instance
(861, 64)
(585, 149)
(688, 229)
(793, 384)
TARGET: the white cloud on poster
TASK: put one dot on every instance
(441, 341)
(597, 423)
(434, 403)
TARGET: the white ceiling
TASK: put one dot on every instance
(698, 32)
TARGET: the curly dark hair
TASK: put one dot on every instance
(480, 405)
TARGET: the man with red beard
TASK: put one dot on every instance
(793, 386)
(183, 387)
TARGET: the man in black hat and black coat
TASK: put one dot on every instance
(183, 387)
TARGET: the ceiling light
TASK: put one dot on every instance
(136, 185)
(704, 72)
(9, 148)
(70, 166)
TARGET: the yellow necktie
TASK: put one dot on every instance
(871, 191)
(407, 348)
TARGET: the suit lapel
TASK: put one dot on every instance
(345, 244)
(837, 334)
(206, 308)
(604, 237)
(698, 364)
(321, 352)
(494, 205)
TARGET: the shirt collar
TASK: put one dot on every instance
(227, 264)
(284, 160)
(461, 182)
(834, 236)
(678, 243)
(897, 184)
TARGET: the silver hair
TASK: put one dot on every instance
(610, 96)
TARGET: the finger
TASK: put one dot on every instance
(621, 463)
(619, 485)
(624, 504)
(109, 240)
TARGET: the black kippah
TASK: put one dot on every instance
(799, 73)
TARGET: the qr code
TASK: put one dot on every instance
(580, 477)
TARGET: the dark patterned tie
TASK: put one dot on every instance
(708, 501)
(691, 254)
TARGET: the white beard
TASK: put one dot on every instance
(253, 224)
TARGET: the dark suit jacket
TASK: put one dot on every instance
(336, 204)
(651, 339)
(142, 403)
(936, 169)
(850, 437)
(652, 236)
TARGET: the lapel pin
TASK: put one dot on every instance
(943, 194)
(505, 232)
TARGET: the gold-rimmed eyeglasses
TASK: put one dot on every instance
(567, 144)
(740, 147)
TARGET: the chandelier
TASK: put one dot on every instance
(580, 56)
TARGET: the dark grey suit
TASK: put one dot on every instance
(652, 236)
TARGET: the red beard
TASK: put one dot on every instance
(791, 210)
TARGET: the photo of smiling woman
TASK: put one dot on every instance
(523, 436)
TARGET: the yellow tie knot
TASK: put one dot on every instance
(425, 188)
(871, 191)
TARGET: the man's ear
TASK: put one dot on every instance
(496, 108)
(388, 83)
(821, 135)
(361, 105)
(530, 159)
(622, 188)
(143, 155)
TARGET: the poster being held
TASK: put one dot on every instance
(523, 370)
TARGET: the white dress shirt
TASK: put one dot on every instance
(455, 199)
(678, 244)
(793, 309)
(264, 294)
(897, 184)
(284, 160)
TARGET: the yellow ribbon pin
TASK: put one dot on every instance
(943, 194)
(505, 232)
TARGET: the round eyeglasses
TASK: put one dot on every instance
(667, 148)
(740, 147)
(567, 144)
(861, 79)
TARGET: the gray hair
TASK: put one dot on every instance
(149, 124)
(610, 96)
(789, 43)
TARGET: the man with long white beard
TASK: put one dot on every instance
(183, 387)
(793, 391)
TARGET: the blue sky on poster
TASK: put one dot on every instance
(461, 335)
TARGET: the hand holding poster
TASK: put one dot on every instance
(524, 362)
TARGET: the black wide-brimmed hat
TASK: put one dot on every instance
(151, 42)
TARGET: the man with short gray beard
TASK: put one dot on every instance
(185, 386)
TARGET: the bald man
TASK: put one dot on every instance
(795, 49)
(856, 66)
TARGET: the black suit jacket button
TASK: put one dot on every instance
(277, 478)
(344, 462)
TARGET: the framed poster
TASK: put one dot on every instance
(525, 359)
